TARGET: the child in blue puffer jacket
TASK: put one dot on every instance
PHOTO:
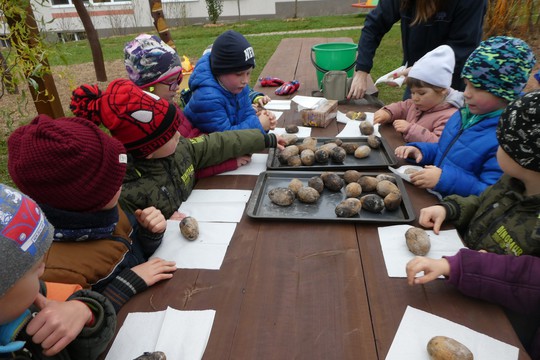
(464, 161)
(220, 93)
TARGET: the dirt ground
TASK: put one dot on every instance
(69, 77)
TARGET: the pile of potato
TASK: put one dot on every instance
(308, 152)
(385, 194)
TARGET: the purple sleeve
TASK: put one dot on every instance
(510, 281)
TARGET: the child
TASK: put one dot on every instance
(220, 95)
(161, 163)
(503, 220)
(32, 326)
(422, 118)
(156, 67)
(75, 171)
(463, 162)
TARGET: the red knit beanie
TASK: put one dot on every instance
(67, 163)
(142, 121)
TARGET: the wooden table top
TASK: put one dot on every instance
(310, 290)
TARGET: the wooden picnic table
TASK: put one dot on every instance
(304, 289)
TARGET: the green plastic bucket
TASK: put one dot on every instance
(333, 56)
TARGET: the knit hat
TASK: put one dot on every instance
(66, 163)
(231, 53)
(25, 236)
(518, 131)
(436, 67)
(149, 60)
(500, 65)
(142, 121)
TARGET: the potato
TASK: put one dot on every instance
(362, 151)
(350, 148)
(332, 181)
(189, 227)
(348, 207)
(307, 157)
(372, 203)
(289, 139)
(281, 196)
(316, 183)
(366, 128)
(286, 153)
(368, 183)
(321, 156)
(156, 355)
(291, 129)
(446, 348)
(374, 141)
(295, 185)
(351, 114)
(410, 171)
(308, 143)
(417, 241)
(294, 161)
(388, 177)
(353, 190)
(338, 154)
(361, 116)
(351, 176)
(328, 146)
(385, 187)
(392, 201)
(308, 195)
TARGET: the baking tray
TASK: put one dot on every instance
(260, 206)
(378, 158)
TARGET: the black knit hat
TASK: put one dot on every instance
(231, 53)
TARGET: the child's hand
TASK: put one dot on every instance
(177, 216)
(57, 324)
(151, 219)
(243, 160)
(426, 178)
(432, 217)
(262, 100)
(401, 126)
(405, 152)
(265, 121)
(432, 268)
(155, 270)
(382, 116)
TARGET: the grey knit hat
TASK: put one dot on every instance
(518, 131)
(25, 236)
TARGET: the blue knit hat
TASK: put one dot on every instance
(149, 60)
(25, 236)
(231, 53)
(500, 65)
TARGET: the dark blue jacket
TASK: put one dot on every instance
(467, 157)
(459, 26)
(214, 108)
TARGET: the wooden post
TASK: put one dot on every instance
(159, 22)
(45, 97)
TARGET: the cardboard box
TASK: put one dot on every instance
(321, 116)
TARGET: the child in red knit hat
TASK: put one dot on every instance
(75, 171)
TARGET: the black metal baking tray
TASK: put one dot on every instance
(378, 158)
(260, 206)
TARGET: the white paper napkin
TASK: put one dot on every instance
(397, 255)
(308, 102)
(216, 205)
(179, 334)
(352, 130)
(417, 327)
(303, 131)
(206, 252)
(256, 166)
(342, 118)
(389, 77)
(278, 105)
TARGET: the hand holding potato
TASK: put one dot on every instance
(432, 217)
(432, 268)
(382, 116)
(405, 152)
(426, 178)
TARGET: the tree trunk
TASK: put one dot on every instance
(159, 22)
(45, 95)
(93, 40)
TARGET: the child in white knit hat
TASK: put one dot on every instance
(432, 102)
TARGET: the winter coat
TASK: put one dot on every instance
(425, 126)
(509, 281)
(214, 108)
(166, 182)
(467, 157)
(90, 343)
(501, 220)
(459, 26)
(97, 251)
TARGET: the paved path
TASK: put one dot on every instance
(306, 31)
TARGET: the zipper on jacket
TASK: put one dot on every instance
(449, 147)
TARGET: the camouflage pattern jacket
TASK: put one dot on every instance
(501, 220)
(166, 182)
